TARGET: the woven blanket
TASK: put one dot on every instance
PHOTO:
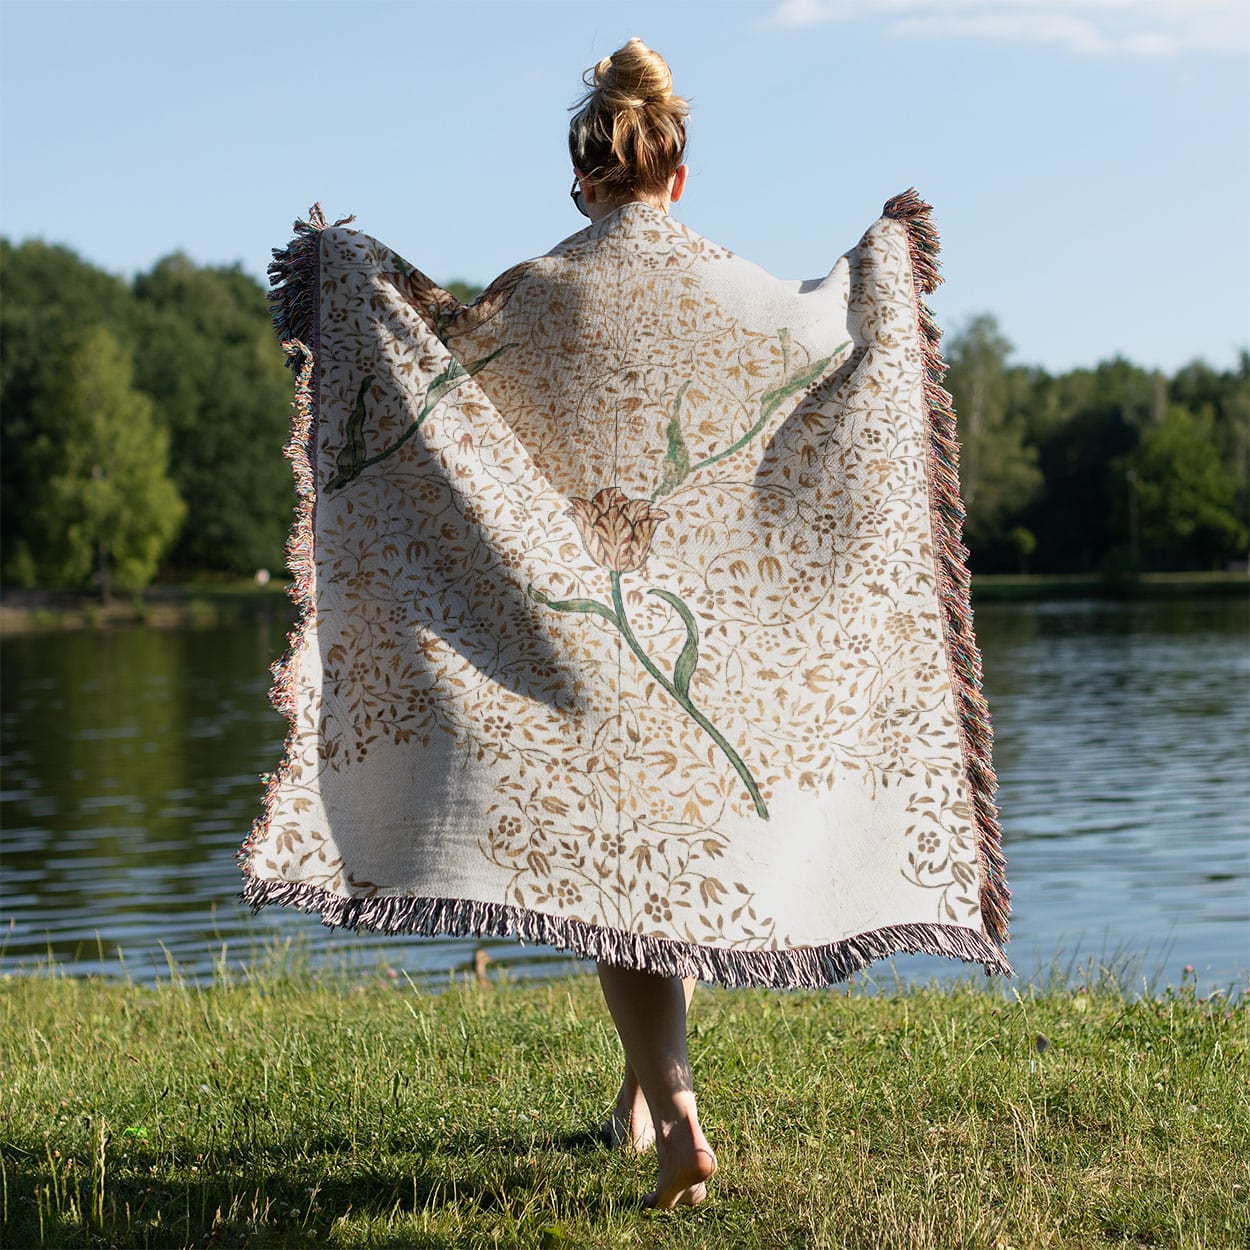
(634, 613)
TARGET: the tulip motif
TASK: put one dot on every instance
(617, 532)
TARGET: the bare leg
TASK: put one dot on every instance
(650, 1016)
(629, 1125)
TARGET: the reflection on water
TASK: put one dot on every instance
(1122, 744)
(131, 760)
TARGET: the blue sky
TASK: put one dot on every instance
(1089, 160)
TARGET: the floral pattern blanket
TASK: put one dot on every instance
(634, 613)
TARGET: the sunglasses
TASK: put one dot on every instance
(576, 196)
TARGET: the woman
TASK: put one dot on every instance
(636, 618)
(628, 141)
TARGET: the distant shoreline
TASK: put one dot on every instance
(997, 587)
(177, 605)
(205, 604)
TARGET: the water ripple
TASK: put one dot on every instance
(131, 773)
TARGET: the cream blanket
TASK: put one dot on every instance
(635, 618)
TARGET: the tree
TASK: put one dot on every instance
(1024, 543)
(465, 292)
(998, 471)
(1223, 398)
(103, 500)
(1186, 494)
(1086, 423)
(51, 296)
(209, 359)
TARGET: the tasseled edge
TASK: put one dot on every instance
(805, 967)
(294, 275)
(954, 581)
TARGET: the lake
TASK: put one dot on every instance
(1122, 742)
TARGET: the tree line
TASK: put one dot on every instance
(142, 424)
(1112, 470)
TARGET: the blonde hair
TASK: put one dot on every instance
(629, 133)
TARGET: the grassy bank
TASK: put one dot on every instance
(215, 603)
(291, 1111)
(996, 587)
(185, 604)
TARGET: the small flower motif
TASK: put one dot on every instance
(567, 893)
(657, 908)
(617, 530)
(419, 701)
(711, 601)
(824, 524)
(508, 827)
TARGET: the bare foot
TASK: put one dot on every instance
(686, 1165)
(629, 1126)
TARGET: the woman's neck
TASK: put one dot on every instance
(600, 209)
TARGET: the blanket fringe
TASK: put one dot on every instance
(806, 967)
(954, 580)
(294, 274)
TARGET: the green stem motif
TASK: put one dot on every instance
(351, 461)
(681, 694)
(677, 462)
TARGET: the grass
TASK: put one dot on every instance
(297, 1109)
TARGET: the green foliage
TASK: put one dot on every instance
(998, 469)
(465, 292)
(51, 297)
(1052, 456)
(1223, 399)
(208, 357)
(102, 502)
(1186, 491)
(1024, 543)
(1081, 518)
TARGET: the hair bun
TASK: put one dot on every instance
(630, 129)
(634, 76)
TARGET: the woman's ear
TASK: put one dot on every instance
(678, 184)
(588, 186)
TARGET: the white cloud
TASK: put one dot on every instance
(1137, 28)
